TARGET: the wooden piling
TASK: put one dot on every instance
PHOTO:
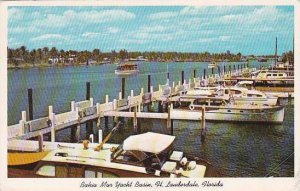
(195, 73)
(30, 104)
(106, 121)
(88, 90)
(149, 83)
(73, 134)
(77, 133)
(123, 88)
(89, 128)
(182, 77)
(224, 68)
(135, 120)
(204, 73)
(169, 126)
(40, 140)
(203, 130)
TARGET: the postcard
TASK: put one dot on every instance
(149, 95)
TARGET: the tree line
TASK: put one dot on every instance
(44, 55)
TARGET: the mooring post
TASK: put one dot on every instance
(100, 135)
(135, 120)
(212, 71)
(195, 73)
(204, 73)
(169, 120)
(88, 90)
(30, 104)
(149, 83)
(182, 77)
(40, 140)
(24, 117)
(106, 121)
(149, 91)
(203, 123)
(123, 88)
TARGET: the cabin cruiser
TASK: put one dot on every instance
(212, 65)
(127, 69)
(238, 94)
(250, 86)
(245, 96)
(144, 155)
(222, 109)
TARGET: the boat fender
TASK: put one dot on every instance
(85, 144)
(192, 107)
(192, 165)
(202, 83)
(183, 161)
(49, 123)
(113, 149)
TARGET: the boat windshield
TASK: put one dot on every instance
(140, 158)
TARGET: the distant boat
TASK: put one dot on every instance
(212, 65)
(262, 59)
(127, 68)
(139, 58)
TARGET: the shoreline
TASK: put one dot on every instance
(46, 65)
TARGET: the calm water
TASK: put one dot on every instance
(238, 150)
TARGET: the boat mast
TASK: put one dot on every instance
(275, 53)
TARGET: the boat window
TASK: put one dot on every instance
(46, 170)
(75, 171)
(254, 95)
(89, 173)
(274, 74)
(61, 172)
(280, 74)
(268, 74)
(235, 92)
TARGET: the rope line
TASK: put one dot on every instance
(279, 164)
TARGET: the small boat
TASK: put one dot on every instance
(212, 65)
(237, 94)
(127, 68)
(222, 109)
(144, 155)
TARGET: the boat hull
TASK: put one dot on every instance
(267, 101)
(273, 115)
(126, 72)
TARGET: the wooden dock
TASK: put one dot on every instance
(87, 111)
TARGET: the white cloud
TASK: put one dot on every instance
(20, 29)
(113, 30)
(15, 14)
(162, 15)
(50, 37)
(153, 28)
(13, 43)
(71, 17)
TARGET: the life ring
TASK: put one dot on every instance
(202, 83)
(192, 107)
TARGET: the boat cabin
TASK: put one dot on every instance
(144, 155)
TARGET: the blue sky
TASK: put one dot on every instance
(245, 29)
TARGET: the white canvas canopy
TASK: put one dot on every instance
(148, 142)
